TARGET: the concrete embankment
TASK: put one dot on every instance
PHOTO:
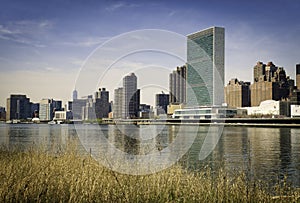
(249, 122)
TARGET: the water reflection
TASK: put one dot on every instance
(23, 136)
(264, 153)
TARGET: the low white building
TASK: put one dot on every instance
(295, 111)
(60, 116)
(268, 107)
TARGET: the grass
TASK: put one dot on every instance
(34, 175)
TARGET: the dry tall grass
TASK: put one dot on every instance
(37, 176)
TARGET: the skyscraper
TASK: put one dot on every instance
(205, 67)
(2, 113)
(102, 103)
(162, 100)
(78, 108)
(75, 94)
(18, 107)
(118, 102)
(131, 97)
(298, 76)
(177, 85)
(46, 110)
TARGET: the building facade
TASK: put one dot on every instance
(2, 113)
(102, 104)
(162, 100)
(259, 72)
(177, 85)
(131, 97)
(118, 103)
(18, 107)
(46, 112)
(205, 67)
(78, 106)
(88, 111)
(298, 76)
(270, 83)
(75, 95)
(237, 93)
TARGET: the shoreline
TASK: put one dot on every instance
(232, 122)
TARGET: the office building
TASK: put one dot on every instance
(162, 100)
(57, 105)
(118, 102)
(35, 108)
(131, 97)
(145, 111)
(205, 67)
(18, 107)
(298, 76)
(46, 112)
(77, 108)
(102, 104)
(70, 104)
(237, 93)
(177, 86)
(88, 111)
(2, 113)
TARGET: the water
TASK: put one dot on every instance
(264, 153)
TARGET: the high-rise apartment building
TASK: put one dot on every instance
(259, 72)
(177, 86)
(298, 76)
(18, 107)
(205, 67)
(270, 83)
(237, 93)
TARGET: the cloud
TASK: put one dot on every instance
(85, 41)
(120, 5)
(171, 13)
(28, 32)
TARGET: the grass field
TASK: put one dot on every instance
(35, 175)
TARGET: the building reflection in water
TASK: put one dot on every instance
(263, 153)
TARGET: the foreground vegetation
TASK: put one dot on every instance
(35, 175)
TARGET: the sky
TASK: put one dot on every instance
(47, 46)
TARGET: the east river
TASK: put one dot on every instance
(268, 154)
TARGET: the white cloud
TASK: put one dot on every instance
(120, 5)
(85, 41)
(25, 31)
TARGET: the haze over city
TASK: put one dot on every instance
(44, 45)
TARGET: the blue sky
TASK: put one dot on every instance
(43, 44)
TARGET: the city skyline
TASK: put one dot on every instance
(43, 45)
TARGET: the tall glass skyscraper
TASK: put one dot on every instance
(205, 67)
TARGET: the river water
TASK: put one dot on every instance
(268, 154)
